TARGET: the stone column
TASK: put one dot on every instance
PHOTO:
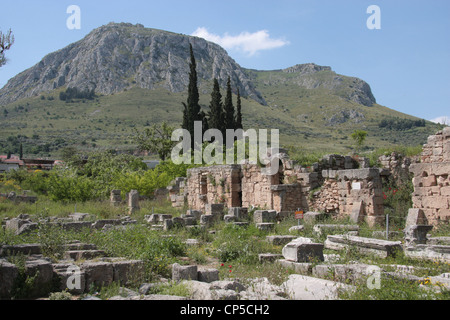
(133, 201)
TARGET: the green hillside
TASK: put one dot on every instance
(309, 119)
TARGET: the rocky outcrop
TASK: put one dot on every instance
(311, 76)
(116, 57)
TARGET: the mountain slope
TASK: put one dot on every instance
(120, 56)
(140, 76)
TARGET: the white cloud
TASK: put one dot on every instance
(249, 43)
(441, 120)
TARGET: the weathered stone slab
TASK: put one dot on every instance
(208, 275)
(167, 224)
(280, 240)
(42, 271)
(442, 280)
(194, 213)
(27, 228)
(152, 218)
(241, 223)
(416, 234)
(303, 250)
(14, 224)
(320, 229)
(76, 226)
(214, 209)
(128, 271)
(229, 218)
(78, 216)
(180, 272)
(348, 273)
(311, 216)
(8, 274)
(301, 287)
(269, 257)
(415, 217)
(189, 221)
(69, 275)
(163, 217)
(429, 252)
(297, 229)
(83, 254)
(207, 220)
(97, 273)
(25, 249)
(382, 248)
(445, 241)
(357, 214)
(265, 226)
(238, 212)
(263, 216)
(99, 224)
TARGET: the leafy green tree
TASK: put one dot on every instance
(156, 139)
(359, 136)
(6, 41)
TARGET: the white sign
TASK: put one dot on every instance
(356, 185)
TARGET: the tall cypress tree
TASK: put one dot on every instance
(216, 116)
(192, 111)
(229, 121)
(238, 121)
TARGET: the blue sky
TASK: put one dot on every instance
(406, 62)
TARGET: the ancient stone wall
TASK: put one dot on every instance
(431, 178)
(215, 184)
(256, 187)
(345, 191)
(398, 166)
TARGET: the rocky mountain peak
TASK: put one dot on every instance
(118, 56)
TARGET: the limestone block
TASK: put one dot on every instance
(303, 250)
(69, 274)
(180, 272)
(265, 226)
(238, 212)
(42, 271)
(357, 213)
(25, 249)
(128, 271)
(207, 220)
(381, 248)
(163, 217)
(415, 216)
(268, 257)
(8, 275)
(214, 208)
(280, 240)
(229, 218)
(262, 216)
(208, 275)
(416, 234)
(429, 252)
(319, 229)
(83, 254)
(97, 273)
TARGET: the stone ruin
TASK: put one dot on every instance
(337, 185)
(14, 197)
(431, 178)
